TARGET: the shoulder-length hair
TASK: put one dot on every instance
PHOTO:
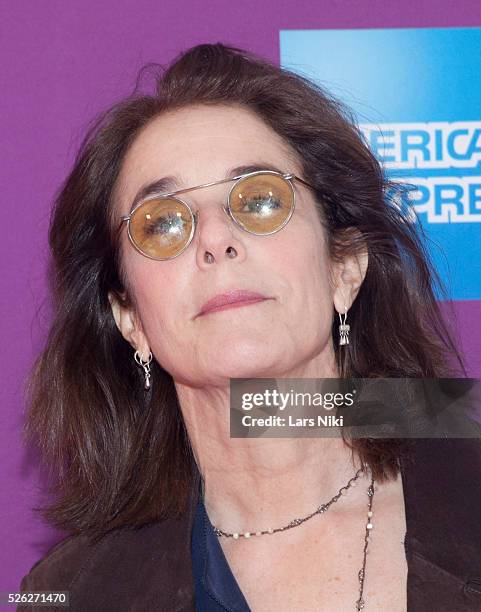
(120, 455)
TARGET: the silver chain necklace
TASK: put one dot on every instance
(320, 510)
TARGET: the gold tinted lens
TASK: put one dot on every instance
(161, 228)
(262, 203)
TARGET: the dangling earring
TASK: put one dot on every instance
(344, 329)
(145, 365)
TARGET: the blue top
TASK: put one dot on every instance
(216, 589)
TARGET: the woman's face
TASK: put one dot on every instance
(198, 145)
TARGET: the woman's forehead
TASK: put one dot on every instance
(201, 144)
(207, 130)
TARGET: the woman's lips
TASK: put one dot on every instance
(232, 299)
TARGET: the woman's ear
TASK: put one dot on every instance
(129, 325)
(349, 273)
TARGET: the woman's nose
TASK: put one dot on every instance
(217, 236)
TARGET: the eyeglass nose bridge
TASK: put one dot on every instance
(195, 218)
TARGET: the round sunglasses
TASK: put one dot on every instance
(161, 226)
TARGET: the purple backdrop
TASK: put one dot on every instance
(62, 62)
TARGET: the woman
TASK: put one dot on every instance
(180, 262)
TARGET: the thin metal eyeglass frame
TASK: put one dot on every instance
(288, 176)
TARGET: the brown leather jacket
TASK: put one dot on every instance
(150, 568)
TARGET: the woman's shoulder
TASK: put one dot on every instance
(152, 560)
(434, 459)
(58, 568)
(439, 473)
(442, 493)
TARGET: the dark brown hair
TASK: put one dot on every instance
(121, 455)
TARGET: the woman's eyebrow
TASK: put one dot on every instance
(167, 184)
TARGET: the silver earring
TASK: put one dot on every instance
(343, 329)
(145, 365)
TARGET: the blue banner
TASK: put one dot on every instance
(416, 94)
